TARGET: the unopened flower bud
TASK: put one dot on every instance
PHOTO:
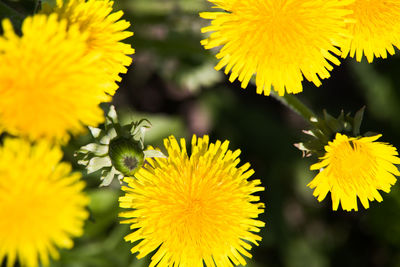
(126, 155)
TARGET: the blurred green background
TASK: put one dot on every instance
(172, 83)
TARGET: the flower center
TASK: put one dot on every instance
(352, 160)
(194, 206)
(130, 162)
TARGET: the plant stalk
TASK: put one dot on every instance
(293, 103)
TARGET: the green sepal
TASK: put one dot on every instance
(107, 176)
(357, 121)
(122, 145)
(323, 132)
(315, 146)
(320, 135)
(333, 123)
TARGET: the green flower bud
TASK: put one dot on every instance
(126, 155)
(117, 150)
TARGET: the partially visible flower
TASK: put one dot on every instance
(49, 85)
(355, 167)
(193, 209)
(42, 204)
(118, 150)
(105, 30)
(278, 41)
(376, 31)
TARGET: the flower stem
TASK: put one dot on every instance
(294, 103)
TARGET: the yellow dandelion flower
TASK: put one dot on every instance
(193, 209)
(376, 31)
(105, 30)
(278, 40)
(42, 205)
(355, 167)
(49, 85)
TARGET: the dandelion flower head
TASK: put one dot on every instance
(105, 28)
(376, 31)
(49, 85)
(193, 209)
(42, 206)
(355, 167)
(278, 40)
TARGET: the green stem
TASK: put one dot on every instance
(294, 103)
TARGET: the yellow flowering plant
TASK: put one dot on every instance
(62, 63)
(351, 165)
(105, 30)
(62, 90)
(42, 206)
(193, 208)
(56, 67)
(355, 167)
(376, 31)
(279, 42)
